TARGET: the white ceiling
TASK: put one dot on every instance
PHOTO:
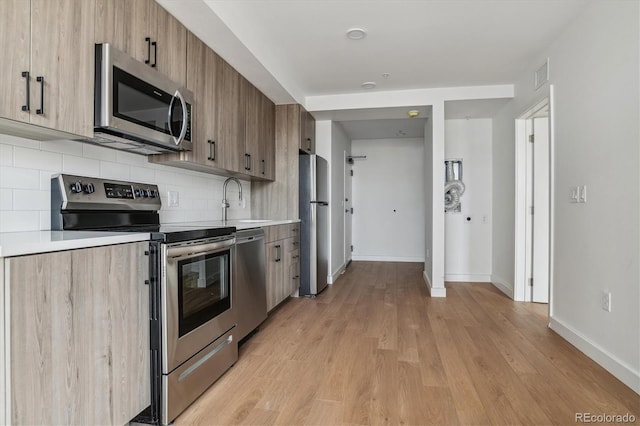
(295, 49)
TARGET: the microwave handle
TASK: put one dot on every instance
(185, 118)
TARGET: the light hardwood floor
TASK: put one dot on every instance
(375, 349)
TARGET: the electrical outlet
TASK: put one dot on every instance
(173, 198)
(582, 194)
(606, 301)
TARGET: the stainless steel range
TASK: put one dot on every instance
(193, 321)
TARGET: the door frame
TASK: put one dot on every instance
(521, 291)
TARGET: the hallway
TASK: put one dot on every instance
(375, 349)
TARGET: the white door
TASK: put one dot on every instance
(347, 209)
(541, 172)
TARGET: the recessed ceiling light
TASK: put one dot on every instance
(356, 33)
(368, 84)
(385, 75)
(413, 113)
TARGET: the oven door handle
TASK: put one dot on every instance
(185, 252)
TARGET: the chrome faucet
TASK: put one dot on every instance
(225, 202)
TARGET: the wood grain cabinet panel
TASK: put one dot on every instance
(48, 47)
(282, 262)
(267, 146)
(251, 162)
(15, 39)
(230, 117)
(79, 341)
(146, 32)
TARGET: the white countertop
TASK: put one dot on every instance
(21, 243)
(238, 223)
(31, 242)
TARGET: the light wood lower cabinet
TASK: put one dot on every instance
(79, 335)
(282, 262)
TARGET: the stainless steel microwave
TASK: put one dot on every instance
(137, 108)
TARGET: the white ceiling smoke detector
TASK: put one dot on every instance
(368, 85)
(356, 33)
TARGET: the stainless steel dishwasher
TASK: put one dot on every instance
(250, 300)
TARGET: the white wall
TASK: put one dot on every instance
(594, 67)
(388, 200)
(26, 167)
(468, 243)
(428, 202)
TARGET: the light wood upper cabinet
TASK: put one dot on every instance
(230, 115)
(171, 44)
(267, 139)
(307, 132)
(259, 133)
(79, 349)
(48, 47)
(145, 31)
(252, 161)
(15, 39)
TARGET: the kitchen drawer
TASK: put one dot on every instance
(275, 233)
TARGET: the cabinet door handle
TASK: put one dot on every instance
(40, 79)
(27, 107)
(278, 253)
(155, 54)
(148, 40)
(263, 167)
(212, 150)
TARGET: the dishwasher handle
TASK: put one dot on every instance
(243, 240)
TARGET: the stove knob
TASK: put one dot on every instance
(137, 193)
(153, 193)
(148, 193)
(89, 188)
(76, 187)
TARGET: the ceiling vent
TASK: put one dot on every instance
(541, 76)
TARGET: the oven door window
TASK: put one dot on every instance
(203, 289)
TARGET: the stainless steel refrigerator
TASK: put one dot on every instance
(314, 226)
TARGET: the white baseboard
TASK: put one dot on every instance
(502, 285)
(608, 361)
(471, 278)
(368, 258)
(433, 292)
(334, 277)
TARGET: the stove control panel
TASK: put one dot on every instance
(69, 192)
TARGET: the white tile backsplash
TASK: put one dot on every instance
(6, 199)
(19, 220)
(14, 177)
(27, 199)
(6, 155)
(26, 167)
(36, 159)
(80, 166)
